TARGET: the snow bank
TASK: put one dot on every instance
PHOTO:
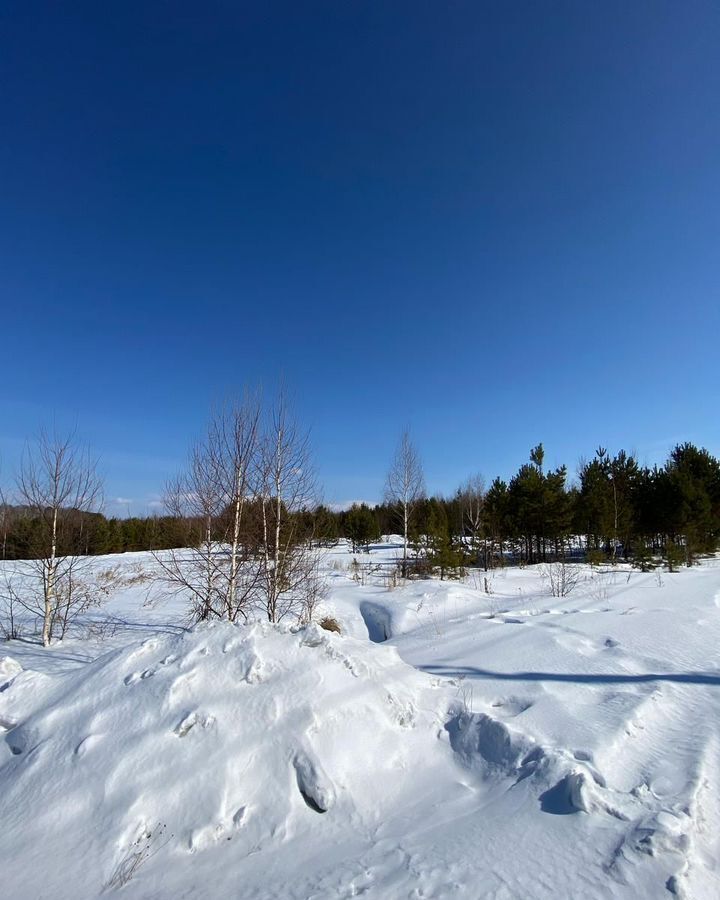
(220, 735)
(9, 668)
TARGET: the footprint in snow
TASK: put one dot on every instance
(315, 787)
(178, 686)
(210, 834)
(191, 720)
(150, 671)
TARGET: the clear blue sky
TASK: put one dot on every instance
(497, 223)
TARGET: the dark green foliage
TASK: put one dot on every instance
(608, 501)
(441, 549)
(539, 509)
(642, 555)
(618, 508)
(497, 519)
(94, 534)
(595, 557)
(694, 493)
(361, 526)
(325, 526)
(675, 555)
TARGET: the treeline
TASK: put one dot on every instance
(615, 509)
(89, 533)
(22, 531)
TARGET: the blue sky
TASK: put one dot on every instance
(494, 223)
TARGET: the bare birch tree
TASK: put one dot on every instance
(196, 498)
(472, 499)
(213, 494)
(237, 441)
(405, 487)
(58, 484)
(246, 484)
(4, 523)
(289, 581)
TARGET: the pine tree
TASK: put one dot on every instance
(361, 526)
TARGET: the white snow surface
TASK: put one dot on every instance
(452, 742)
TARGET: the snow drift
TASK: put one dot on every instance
(576, 755)
(221, 735)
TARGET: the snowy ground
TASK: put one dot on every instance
(451, 743)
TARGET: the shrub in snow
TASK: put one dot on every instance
(675, 554)
(595, 557)
(329, 623)
(560, 578)
(142, 848)
(642, 556)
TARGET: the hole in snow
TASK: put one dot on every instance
(310, 802)
(377, 621)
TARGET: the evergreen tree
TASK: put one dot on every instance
(496, 519)
(361, 526)
(694, 488)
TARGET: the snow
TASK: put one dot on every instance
(450, 743)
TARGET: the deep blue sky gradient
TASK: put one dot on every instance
(497, 223)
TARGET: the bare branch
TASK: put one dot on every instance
(405, 486)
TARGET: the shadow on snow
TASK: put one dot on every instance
(708, 678)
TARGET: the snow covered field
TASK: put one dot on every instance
(450, 743)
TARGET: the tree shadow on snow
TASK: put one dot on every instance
(707, 678)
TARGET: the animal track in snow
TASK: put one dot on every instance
(252, 673)
(315, 787)
(207, 835)
(191, 720)
(404, 713)
(178, 687)
(149, 672)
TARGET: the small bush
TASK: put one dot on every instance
(419, 567)
(675, 555)
(329, 623)
(145, 846)
(560, 578)
(595, 557)
(642, 557)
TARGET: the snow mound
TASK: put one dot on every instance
(562, 782)
(220, 735)
(9, 668)
(21, 691)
